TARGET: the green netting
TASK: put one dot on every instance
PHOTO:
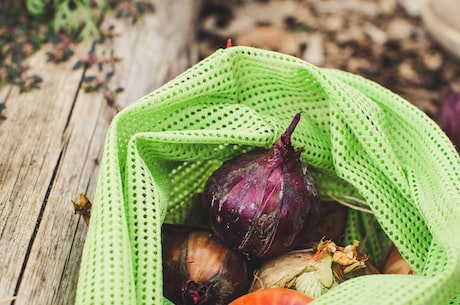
(360, 140)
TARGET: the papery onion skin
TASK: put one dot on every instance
(200, 269)
(264, 202)
(312, 272)
(273, 270)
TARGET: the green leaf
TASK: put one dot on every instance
(36, 78)
(35, 7)
(78, 65)
(88, 79)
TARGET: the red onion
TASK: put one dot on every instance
(264, 202)
(450, 117)
(199, 269)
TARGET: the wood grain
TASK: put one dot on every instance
(52, 142)
(154, 50)
(31, 149)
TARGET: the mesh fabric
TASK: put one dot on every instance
(359, 140)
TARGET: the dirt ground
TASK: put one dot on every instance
(382, 40)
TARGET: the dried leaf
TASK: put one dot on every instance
(83, 208)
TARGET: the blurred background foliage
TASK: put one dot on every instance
(25, 25)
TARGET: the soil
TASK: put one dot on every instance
(382, 40)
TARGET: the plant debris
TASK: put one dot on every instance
(311, 273)
(27, 25)
(17, 42)
(2, 107)
(99, 68)
(382, 40)
(83, 207)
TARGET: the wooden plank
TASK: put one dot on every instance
(31, 145)
(4, 93)
(51, 271)
(156, 49)
(52, 268)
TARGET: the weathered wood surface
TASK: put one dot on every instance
(51, 144)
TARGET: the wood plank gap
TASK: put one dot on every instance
(5, 225)
(79, 86)
(76, 231)
(75, 234)
(67, 260)
(80, 219)
(80, 83)
(37, 224)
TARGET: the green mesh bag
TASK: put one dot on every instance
(360, 140)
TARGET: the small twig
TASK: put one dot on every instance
(350, 205)
(360, 201)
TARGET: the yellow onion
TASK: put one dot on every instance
(312, 272)
(199, 269)
(273, 271)
(264, 202)
(396, 264)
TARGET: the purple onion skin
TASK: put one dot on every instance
(263, 203)
(198, 269)
(450, 117)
